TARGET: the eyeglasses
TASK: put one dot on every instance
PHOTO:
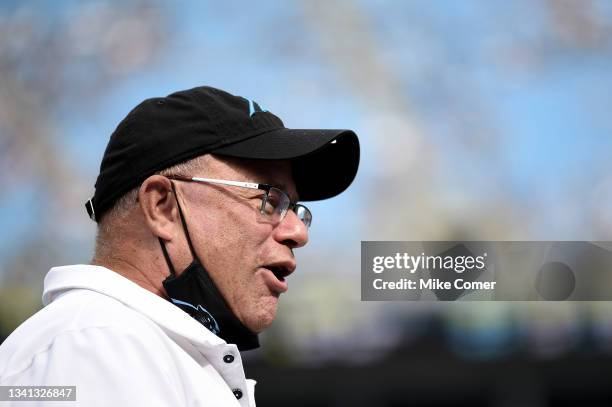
(274, 203)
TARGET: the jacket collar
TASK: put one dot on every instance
(107, 282)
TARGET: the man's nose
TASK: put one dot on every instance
(291, 231)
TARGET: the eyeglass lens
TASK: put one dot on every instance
(276, 203)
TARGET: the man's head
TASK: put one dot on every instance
(246, 252)
(174, 173)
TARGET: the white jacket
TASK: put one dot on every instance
(120, 345)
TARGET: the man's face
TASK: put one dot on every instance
(246, 255)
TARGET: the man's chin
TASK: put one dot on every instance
(263, 317)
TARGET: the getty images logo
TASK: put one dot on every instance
(255, 108)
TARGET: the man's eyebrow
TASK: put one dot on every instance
(283, 187)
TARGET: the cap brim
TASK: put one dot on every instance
(324, 162)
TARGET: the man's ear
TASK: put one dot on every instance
(158, 206)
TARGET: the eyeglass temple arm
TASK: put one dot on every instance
(250, 185)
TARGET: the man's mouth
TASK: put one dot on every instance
(275, 277)
(279, 272)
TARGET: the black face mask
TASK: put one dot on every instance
(194, 292)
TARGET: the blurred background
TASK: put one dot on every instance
(484, 120)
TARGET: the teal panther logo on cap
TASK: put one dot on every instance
(255, 108)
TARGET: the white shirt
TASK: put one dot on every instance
(120, 345)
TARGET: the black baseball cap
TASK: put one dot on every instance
(162, 132)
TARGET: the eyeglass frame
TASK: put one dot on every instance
(251, 185)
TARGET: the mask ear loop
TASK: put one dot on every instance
(185, 229)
